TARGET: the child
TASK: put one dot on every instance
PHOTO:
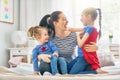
(90, 59)
(45, 46)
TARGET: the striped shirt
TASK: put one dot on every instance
(66, 45)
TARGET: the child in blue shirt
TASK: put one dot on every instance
(47, 47)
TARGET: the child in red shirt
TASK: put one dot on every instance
(87, 59)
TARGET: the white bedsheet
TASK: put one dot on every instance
(7, 74)
(26, 68)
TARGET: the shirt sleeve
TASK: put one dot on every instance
(88, 29)
(35, 59)
(53, 47)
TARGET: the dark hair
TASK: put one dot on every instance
(100, 18)
(54, 17)
(44, 23)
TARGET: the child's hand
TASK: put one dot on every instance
(36, 73)
(44, 57)
(80, 35)
(55, 54)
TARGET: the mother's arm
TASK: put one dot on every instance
(91, 47)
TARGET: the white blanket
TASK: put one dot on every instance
(114, 74)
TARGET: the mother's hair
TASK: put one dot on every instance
(43, 21)
(54, 17)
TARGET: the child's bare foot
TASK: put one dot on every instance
(64, 74)
(100, 71)
(57, 74)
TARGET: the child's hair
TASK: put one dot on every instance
(37, 30)
(93, 12)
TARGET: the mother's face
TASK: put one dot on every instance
(61, 23)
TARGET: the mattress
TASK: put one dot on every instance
(9, 74)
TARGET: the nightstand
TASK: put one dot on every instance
(27, 51)
(115, 50)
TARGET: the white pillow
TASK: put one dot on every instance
(106, 59)
(14, 61)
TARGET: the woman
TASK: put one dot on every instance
(66, 41)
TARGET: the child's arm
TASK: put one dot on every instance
(74, 29)
(82, 40)
(35, 61)
(54, 49)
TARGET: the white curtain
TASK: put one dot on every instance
(31, 11)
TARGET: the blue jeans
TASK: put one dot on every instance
(80, 66)
(50, 67)
(62, 65)
(53, 64)
(44, 67)
(70, 67)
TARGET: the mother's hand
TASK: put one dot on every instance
(92, 47)
(44, 57)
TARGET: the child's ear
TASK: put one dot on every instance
(89, 17)
(38, 36)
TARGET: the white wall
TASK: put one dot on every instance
(6, 30)
(31, 11)
(72, 10)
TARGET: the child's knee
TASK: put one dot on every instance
(61, 58)
(54, 58)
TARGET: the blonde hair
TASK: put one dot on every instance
(90, 11)
(93, 12)
(34, 31)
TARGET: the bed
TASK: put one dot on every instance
(24, 72)
(10, 74)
